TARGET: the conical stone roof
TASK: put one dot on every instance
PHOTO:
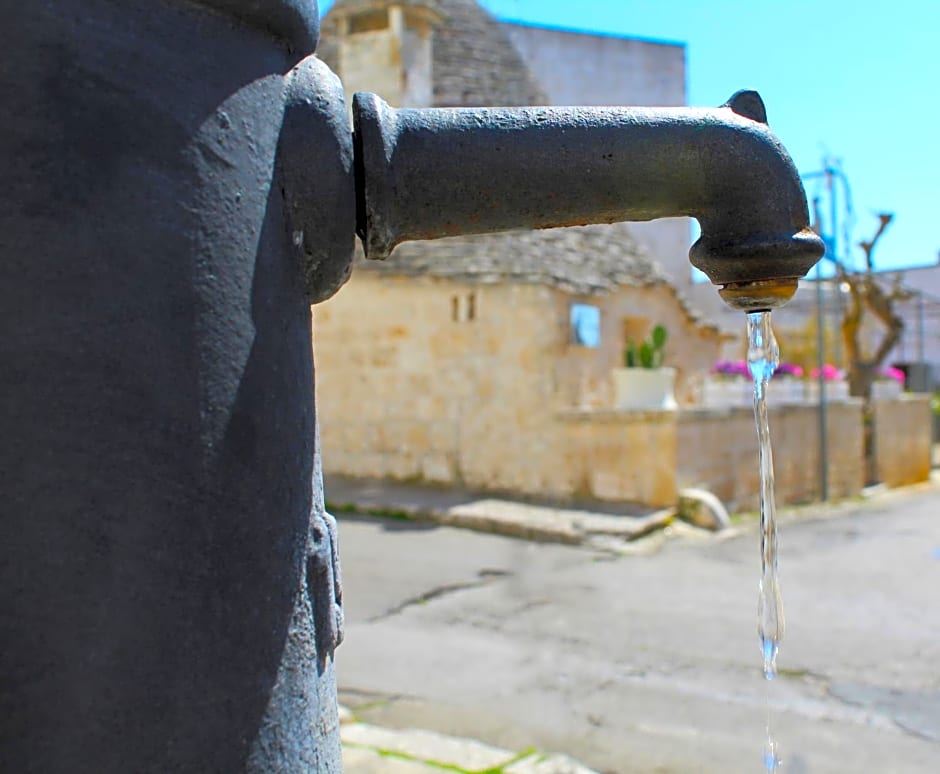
(577, 259)
(583, 260)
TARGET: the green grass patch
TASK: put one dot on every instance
(442, 765)
(378, 513)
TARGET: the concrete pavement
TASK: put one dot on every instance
(649, 662)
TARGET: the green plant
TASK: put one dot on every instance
(650, 352)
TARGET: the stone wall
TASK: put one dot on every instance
(902, 439)
(455, 382)
(437, 380)
(717, 450)
(474, 384)
(620, 456)
(372, 61)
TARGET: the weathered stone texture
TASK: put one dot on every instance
(472, 60)
(718, 452)
(504, 402)
(365, 59)
(491, 402)
(580, 259)
(903, 439)
(620, 456)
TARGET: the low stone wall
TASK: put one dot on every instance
(627, 456)
(903, 431)
(717, 451)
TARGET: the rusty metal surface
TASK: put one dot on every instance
(425, 174)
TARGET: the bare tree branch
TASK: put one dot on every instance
(867, 295)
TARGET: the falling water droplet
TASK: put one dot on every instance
(298, 237)
(772, 758)
(771, 752)
(763, 356)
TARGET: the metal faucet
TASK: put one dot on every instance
(424, 174)
(438, 172)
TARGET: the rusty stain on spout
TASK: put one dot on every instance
(759, 295)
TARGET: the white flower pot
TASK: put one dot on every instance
(887, 389)
(644, 388)
(835, 391)
(722, 393)
(785, 390)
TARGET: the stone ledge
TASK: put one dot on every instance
(616, 415)
(540, 522)
(560, 525)
(687, 413)
(369, 749)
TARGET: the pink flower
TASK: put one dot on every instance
(789, 369)
(891, 373)
(829, 373)
(731, 368)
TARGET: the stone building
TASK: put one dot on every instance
(455, 361)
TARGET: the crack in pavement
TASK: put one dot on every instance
(913, 712)
(484, 577)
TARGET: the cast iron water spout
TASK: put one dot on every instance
(179, 187)
(434, 173)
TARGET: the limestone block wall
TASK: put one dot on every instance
(717, 450)
(902, 439)
(372, 58)
(619, 456)
(438, 380)
(380, 413)
(454, 382)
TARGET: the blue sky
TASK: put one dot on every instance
(855, 82)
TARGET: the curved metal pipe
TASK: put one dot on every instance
(425, 174)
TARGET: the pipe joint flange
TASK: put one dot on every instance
(315, 161)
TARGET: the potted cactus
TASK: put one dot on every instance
(644, 383)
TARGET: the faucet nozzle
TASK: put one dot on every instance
(424, 174)
(759, 295)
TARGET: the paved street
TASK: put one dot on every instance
(650, 663)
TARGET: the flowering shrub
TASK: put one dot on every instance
(891, 373)
(785, 370)
(829, 373)
(731, 368)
